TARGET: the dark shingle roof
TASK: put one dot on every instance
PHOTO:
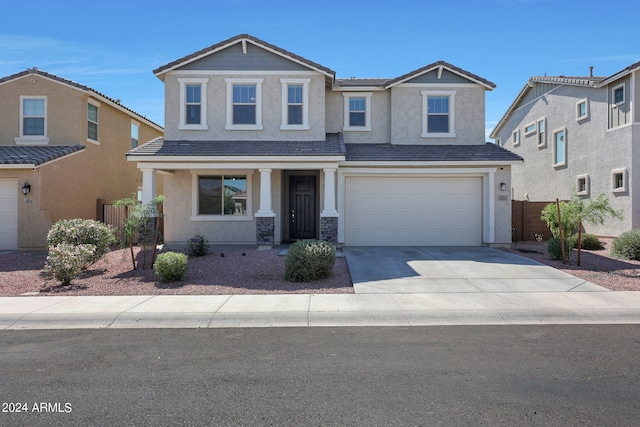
(353, 82)
(332, 146)
(428, 153)
(35, 155)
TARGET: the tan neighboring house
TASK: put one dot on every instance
(62, 147)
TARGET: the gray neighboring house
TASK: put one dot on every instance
(263, 146)
(577, 135)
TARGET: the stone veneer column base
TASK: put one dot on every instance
(329, 229)
(265, 230)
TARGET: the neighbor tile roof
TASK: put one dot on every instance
(428, 153)
(332, 146)
(35, 155)
(581, 81)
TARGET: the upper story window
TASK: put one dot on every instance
(542, 134)
(515, 136)
(193, 104)
(438, 116)
(295, 104)
(559, 148)
(619, 178)
(92, 121)
(357, 111)
(33, 120)
(135, 134)
(530, 129)
(582, 109)
(244, 104)
(618, 94)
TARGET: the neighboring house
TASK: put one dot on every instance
(577, 135)
(264, 146)
(64, 144)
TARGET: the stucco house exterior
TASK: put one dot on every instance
(64, 145)
(577, 135)
(262, 146)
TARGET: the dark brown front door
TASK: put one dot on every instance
(302, 207)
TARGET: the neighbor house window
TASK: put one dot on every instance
(618, 94)
(582, 185)
(222, 195)
(516, 137)
(559, 148)
(357, 111)
(135, 134)
(541, 132)
(438, 109)
(33, 120)
(244, 104)
(529, 129)
(92, 120)
(619, 180)
(193, 103)
(582, 109)
(295, 104)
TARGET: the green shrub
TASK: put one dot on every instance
(590, 242)
(627, 245)
(66, 261)
(198, 246)
(308, 260)
(554, 248)
(171, 266)
(82, 232)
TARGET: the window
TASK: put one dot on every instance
(529, 129)
(559, 148)
(582, 185)
(582, 110)
(33, 120)
(618, 94)
(357, 111)
(222, 195)
(92, 120)
(295, 104)
(135, 132)
(438, 109)
(542, 136)
(516, 137)
(619, 180)
(244, 104)
(193, 104)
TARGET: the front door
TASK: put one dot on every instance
(302, 207)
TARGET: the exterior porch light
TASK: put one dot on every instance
(26, 188)
(503, 186)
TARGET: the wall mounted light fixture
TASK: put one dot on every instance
(503, 186)
(26, 188)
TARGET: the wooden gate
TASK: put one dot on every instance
(526, 222)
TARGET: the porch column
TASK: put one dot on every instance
(329, 215)
(265, 217)
(148, 185)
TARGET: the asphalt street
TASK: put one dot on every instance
(442, 375)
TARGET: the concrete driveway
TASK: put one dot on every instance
(404, 270)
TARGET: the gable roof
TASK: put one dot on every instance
(29, 156)
(242, 38)
(113, 102)
(440, 65)
(619, 74)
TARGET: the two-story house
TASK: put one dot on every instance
(264, 146)
(577, 135)
(62, 146)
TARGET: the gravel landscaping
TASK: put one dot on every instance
(251, 271)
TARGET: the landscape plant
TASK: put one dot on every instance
(82, 232)
(66, 261)
(308, 260)
(198, 246)
(627, 245)
(171, 266)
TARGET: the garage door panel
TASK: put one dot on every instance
(397, 211)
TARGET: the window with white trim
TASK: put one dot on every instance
(244, 104)
(223, 195)
(541, 133)
(295, 104)
(618, 94)
(530, 129)
(582, 185)
(582, 109)
(135, 134)
(515, 137)
(559, 147)
(92, 120)
(33, 120)
(357, 111)
(193, 103)
(619, 178)
(438, 114)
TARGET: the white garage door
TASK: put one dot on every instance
(8, 214)
(413, 211)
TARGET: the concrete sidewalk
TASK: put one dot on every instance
(305, 310)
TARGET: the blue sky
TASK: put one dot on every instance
(113, 46)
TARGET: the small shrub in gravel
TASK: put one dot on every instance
(627, 245)
(308, 260)
(590, 242)
(198, 246)
(554, 247)
(65, 261)
(171, 266)
(82, 232)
